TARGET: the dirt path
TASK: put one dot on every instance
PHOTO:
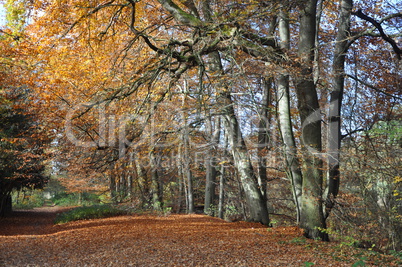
(30, 239)
(30, 222)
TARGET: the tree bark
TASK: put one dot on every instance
(156, 187)
(335, 105)
(312, 218)
(255, 201)
(180, 180)
(190, 192)
(222, 178)
(221, 193)
(211, 172)
(187, 164)
(264, 136)
(112, 186)
(285, 121)
(129, 185)
(141, 179)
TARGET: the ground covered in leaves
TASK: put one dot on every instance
(29, 238)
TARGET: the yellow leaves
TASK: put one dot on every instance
(397, 179)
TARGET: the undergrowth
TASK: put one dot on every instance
(89, 212)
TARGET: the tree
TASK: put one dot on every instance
(22, 160)
(335, 105)
(285, 119)
(211, 166)
(311, 217)
(22, 145)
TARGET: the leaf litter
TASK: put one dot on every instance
(29, 238)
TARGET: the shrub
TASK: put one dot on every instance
(89, 212)
(75, 199)
(29, 199)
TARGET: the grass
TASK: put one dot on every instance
(89, 212)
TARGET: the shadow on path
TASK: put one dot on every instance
(37, 221)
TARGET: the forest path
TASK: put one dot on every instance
(29, 238)
(30, 222)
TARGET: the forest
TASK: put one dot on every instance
(276, 112)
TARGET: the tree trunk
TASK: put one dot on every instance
(264, 137)
(180, 180)
(285, 120)
(122, 185)
(141, 180)
(130, 186)
(190, 192)
(221, 210)
(312, 218)
(187, 170)
(255, 201)
(320, 4)
(112, 186)
(156, 188)
(334, 116)
(221, 193)
(5, 204)
(210, 186)
(211, 172)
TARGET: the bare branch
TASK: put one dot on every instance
(373, 87)
(352, 132)
(378, 26)
(132, 22)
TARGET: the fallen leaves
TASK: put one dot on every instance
(30, 238)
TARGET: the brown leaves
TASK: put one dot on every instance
(176, 240)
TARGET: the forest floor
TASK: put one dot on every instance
(29, 238)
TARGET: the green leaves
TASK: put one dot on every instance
(90, 212)
(16, 15)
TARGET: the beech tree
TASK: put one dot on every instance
(22, 145)
(22, 156)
